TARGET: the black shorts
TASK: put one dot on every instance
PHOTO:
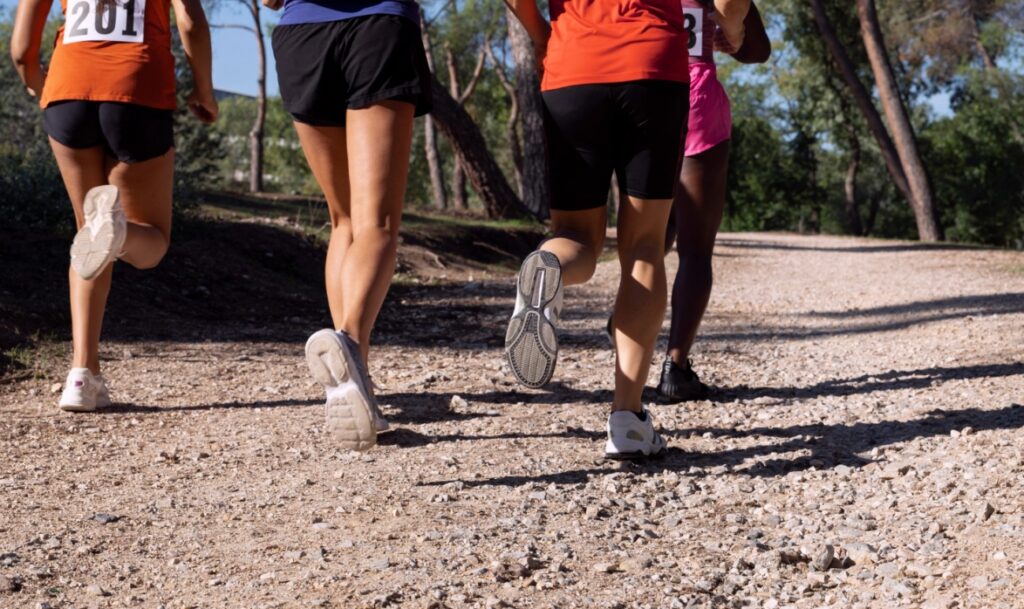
(325, 68)
(129, 132)
(635, 129)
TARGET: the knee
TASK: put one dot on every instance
(153, 257)
(695, 262)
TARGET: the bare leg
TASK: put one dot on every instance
(699, 205)
(81, 170)
(640, 304)
(362, 170)
(578, 237)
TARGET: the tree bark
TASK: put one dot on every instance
(512, 125)
(430, 136)
(536, 191)
(459, 195)
(500, 201)
(853, 223)
(928, 227)
(256, 134)
(863, 99)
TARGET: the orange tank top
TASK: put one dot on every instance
(113, 50)
(607, 41)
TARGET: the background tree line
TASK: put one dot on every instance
(838, 133)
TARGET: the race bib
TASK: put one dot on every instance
(104, 20)
(693, 22)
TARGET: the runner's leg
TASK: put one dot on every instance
(82, 169)
(699, 204)
(577, 241)
(642, 293)
(146, 190)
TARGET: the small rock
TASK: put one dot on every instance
(95, 590)
(635, 565)
(894, 470)
(605, 567)
(985, 511)
(978, 582)
(939, 602)
(9, 584)
(918, 570)
(822, 559)
(54, 388)
(538, 496)
(380, 564)
(106, 518)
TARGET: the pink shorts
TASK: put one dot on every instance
(710, 114)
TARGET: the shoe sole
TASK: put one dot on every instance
(78, 408)
(531, 342)
(635, 456)
(667, 397)
(94, 245)
(349, 418)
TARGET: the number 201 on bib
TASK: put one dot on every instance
(104, 21)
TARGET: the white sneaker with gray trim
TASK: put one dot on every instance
(531, 341)
(353, 416)
(101, 238)
(630, 437)
(84, 391)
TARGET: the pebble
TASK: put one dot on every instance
(822, 559)
(95, 590)
(605, 567)
(106, 518)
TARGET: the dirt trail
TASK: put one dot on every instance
(870, 406)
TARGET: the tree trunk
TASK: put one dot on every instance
(863, 99)
(512, 125)
(536, 191)
(430, 136)
(500, 201)
(458, 174)
(853, 223)
(256, 134)
(928, 227)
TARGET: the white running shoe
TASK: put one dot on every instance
(84, 391)
(630, 437)
(531, 342)
(353, 416)
(101, 239)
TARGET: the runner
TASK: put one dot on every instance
(353, 75)
(108, 102)
(700, 200)
(615, 99)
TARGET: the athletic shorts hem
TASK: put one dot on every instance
(409, 94)
(704, 147)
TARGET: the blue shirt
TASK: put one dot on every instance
(322, 11)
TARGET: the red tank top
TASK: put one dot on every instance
(113, 50)
(608, 41)
(701, 30)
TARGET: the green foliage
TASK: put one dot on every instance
(31, 192)
(976, 159)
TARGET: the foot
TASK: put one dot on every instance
(680, 384)
(531, 342)
(631, 435)
(84, 391)
(99, 241)
(353, 417)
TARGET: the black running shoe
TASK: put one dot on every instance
(680, 384)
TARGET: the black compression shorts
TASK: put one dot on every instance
(635, 129)
(325, 68)
(129, 132)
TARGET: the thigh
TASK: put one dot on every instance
(580, 157)
(81, 169)
(700, 200)
(146, 190)
(379, 144)
(326, 151)
(648, 133)
(587, 226)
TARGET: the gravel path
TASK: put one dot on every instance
(864, 449)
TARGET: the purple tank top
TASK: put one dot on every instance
(701, 29)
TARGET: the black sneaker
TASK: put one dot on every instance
(680, 384)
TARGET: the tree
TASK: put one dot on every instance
(256, 152)
(928, 227)
(500, 201)
(533, 154)
(461, 94)
(430, 133)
